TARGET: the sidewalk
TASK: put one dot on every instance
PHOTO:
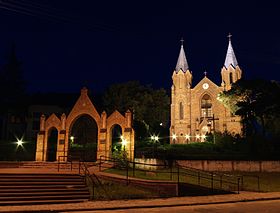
(145, 203)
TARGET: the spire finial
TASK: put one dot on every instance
(182, 41)
(205, 73)
(229, 36)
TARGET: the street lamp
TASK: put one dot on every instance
(174, 137)
(20, 142)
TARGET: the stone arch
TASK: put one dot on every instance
(115, 138)
(51, 144)
(53, 122)
(82, 107)
(116, 118)
(84, 130)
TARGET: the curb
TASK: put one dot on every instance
(145, 206)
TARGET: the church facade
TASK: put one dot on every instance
(195, 110)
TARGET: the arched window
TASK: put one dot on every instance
(206, 106)
(230, 78)
(181, 111)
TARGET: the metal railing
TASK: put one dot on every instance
(91, 180)
(59, 162)
(178, 173)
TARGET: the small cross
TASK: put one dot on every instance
(205, 73)
(229, 36)
(182, 41)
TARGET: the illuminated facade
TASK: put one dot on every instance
(64, 125)
(195, 110)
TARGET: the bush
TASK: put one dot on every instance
(121, 158)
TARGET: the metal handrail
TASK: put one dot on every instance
(58, 163)
(88, 176)
(212, 176)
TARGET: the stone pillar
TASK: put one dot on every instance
(40, 144)
(128, 119)
(42, 122)
(40, 151)
(102, 144)
(61, 146)
(128, 136)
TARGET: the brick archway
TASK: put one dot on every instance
(84, 106)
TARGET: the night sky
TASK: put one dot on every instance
(65, 45)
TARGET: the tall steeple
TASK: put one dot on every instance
(180, 95)
(182, 63)
(230, 57)
(230, 71)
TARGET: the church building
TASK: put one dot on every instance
(195, 110)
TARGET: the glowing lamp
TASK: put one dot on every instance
(124, 142)
(20, 142)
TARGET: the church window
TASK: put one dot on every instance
(206, 106)
(181, 111)
(230, 78)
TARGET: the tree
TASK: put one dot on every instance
(12, 84)
(150, 107)
(257, 102)
(12, 95)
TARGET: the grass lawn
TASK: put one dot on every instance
(268, 181)
(120, 191)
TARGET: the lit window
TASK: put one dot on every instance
(206, 106)
(181, 111)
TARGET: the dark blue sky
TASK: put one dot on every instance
(66, 44)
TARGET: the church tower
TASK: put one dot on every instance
(180, 98)
(230, 71)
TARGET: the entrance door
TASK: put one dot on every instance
(83, 139)
(52, 144)
(116, 139)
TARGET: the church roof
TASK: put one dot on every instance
(230, 57)
(182, 63)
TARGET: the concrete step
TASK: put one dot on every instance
(28, 189)
(41, 186)
(43, 193)
(39, 176)
(39, 202)
(42, 189)
(44, 197)
(27, 180)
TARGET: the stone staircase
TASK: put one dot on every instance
(63, 166)
(32, 189)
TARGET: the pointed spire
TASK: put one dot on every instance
(230, 57)
(182, 63)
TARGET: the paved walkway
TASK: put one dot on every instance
(146, 203)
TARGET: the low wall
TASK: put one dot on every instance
(149, 163)
(229, 166)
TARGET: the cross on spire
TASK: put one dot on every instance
(205, 73)
(182, 41)
(229, 36)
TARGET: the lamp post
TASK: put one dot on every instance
(154, 139)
